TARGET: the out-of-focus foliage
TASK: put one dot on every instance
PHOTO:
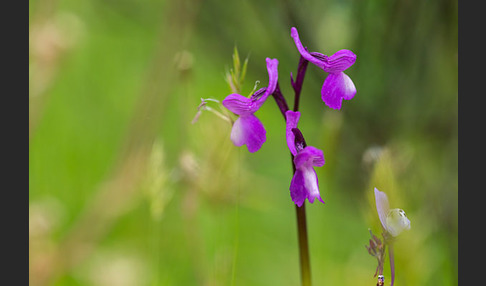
(124, 190)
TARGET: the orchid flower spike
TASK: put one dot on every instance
(393, 221)
(338, 85)
(248, 129)
(304, 184)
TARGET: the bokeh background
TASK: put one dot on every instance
(126, 190)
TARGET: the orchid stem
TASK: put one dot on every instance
(303, 245)
(280, 100)
(392, 263)
(300, 211)
(297, 85)
(304, 257)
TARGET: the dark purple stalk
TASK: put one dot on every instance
(280, 100)
(297, 85)
(303, 245)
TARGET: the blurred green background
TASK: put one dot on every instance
(125, 190)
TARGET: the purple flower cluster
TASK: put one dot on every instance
(248, 129)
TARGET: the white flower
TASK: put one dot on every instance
(394, 221)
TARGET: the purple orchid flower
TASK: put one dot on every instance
(338, 85)
(304, 184)
(248, 129)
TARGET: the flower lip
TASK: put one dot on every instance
(337, 87)
(249, 131)
(305, 185)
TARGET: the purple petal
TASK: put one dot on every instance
(382, 206)
(297, 190)
(318, 62)
(250, 131)
(307, 158)
(292, 119)
(238, 104)
(335, 88)
(340, 61)
(304, 185)
(272, 68)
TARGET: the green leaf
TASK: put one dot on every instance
(236, 62)
(243, 70)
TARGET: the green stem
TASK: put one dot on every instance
(392, 262)
(303, 245)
